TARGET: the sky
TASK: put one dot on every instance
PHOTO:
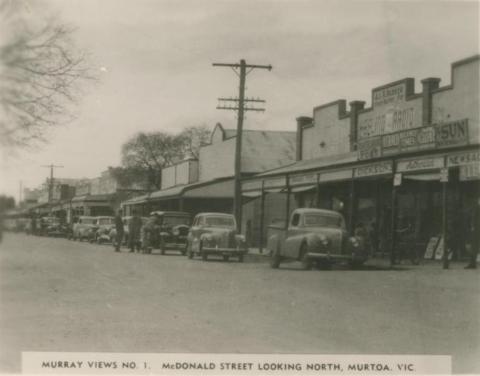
(154, 60)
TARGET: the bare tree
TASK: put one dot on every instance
(41, 73)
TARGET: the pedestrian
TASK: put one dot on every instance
(134, 232)
(119, 230)
(150, 232)
(33, 225)
(475, 236)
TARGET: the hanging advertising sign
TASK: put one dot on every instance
(444, 175)
(419, 164)
(397, 179)
(380, 168)
(453, 133)
(310, 178)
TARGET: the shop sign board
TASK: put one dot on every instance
(470, 172)
(408, 141)
(453, 133)
(420, 164)
(310, 178)
(373, 169)
(336, 175)
(470, 157)
(369, 148)
(251, 185)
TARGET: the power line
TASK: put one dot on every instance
(50, 185)
(239, 105)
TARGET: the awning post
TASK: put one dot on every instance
(262, 216)
(393, 225)
(287, 214)
(444, 225)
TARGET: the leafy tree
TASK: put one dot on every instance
(193, 138)
(145, 154)
(149, 152)
(41, 72)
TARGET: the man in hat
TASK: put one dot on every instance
(119, 230)
(134, 232)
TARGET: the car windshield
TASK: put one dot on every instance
(105, 221)
(220, 221)
(175, 221)
(322, 220)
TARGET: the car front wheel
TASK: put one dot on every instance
(275, 259)
(306, 262)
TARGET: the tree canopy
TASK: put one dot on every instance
(146, 153)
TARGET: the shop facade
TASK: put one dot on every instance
(406, 169)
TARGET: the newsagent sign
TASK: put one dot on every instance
(454, 133)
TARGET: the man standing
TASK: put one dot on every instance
(119, 230)
(134, 232)
(475, 237)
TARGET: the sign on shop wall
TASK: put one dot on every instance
(390, 112)
(470, 157)
(454, 133)
(470, 172)
(419, 164)
(373, 169)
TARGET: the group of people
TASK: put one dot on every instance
(142, 237)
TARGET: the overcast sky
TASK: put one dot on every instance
(154, 59)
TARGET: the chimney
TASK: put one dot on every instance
(355, 108)
(428, 85)
(301, 122)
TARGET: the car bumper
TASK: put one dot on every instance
(175, 246)
(355, 257)
(224, 251)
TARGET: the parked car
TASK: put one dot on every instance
(104, 225)
(173, 230)
(51, 226)
(84, 228)
(315, 235)
(215, 234)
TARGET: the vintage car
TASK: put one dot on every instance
(315, 235)
(126, 220)
(51, 226)
(215, 234)
(104, 225)
(84, 228)
(173, 230)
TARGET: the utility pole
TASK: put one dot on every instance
(50, 185)
(240, 104)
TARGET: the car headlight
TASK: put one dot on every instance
(176, 232)
(323, 240)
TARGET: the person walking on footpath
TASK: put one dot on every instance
(134, 232)
(475, 237)
(119, 230)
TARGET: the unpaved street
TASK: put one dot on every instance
(59, 295)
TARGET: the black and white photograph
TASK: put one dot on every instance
(239, 187)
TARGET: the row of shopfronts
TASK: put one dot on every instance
(410, 163)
